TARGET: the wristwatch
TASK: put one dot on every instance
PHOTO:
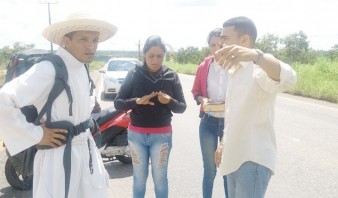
(260, 56)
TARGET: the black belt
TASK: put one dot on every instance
(211, 118)
(72, 132)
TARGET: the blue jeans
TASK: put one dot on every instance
(249, 181)
(211, 130)
(155, 147)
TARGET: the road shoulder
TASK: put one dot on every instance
(310, 100)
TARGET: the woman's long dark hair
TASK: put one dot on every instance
(152, 41)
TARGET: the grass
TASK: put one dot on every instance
(319, 81)
(95, 65)
(181, 68)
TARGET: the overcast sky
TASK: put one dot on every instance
(180, 23)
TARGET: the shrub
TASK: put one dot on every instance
(318, 80)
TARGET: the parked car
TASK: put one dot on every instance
(114, 73)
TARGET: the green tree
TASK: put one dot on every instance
(296, 47)
(205, 52)
(335, 47)
(333, 53)
(181, 56)
(269, 43)
(191, 55)
(6, 51)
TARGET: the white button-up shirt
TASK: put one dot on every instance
(249, 134)
(217, 82)
(217, 85)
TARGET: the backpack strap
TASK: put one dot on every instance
(61, 78)
(92, 85)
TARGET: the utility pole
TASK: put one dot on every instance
(48, 2)
(139, 49)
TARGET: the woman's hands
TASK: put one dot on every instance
(145, 100)
(162, 98)
(203, 100)
(218, 155)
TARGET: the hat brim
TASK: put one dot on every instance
(55, 32)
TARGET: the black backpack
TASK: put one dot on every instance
(60, 84)
(21, 61)
(23, 161)
(61, 78)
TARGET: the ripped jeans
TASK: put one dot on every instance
(155, 147)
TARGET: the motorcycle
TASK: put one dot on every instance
(113, 125)
(111, 139)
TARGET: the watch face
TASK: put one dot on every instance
(259, 51)
(260, 54)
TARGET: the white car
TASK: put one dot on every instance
(114, 73)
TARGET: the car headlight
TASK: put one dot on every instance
(112, 80)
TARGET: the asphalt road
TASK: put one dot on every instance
(307, 136)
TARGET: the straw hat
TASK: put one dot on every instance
(78, 21)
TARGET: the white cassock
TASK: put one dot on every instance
(32, 88)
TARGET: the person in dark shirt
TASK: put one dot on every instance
(153, 92)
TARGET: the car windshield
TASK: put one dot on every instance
(121, 65)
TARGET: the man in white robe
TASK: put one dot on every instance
(78, 38)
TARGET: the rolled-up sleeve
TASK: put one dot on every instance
(288, 79)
